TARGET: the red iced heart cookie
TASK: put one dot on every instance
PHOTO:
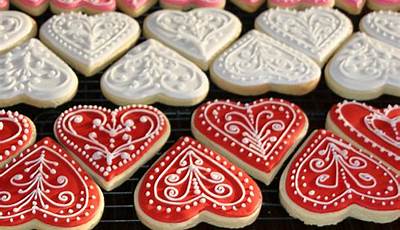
(329, 180)
(374, 130)
(112, 144)
(44, 188)
(257, 136)
(190, 184)
(17, 132)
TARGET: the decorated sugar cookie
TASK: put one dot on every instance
(90, 43)
(300, 4)
(199, 35)
(15, 28)
(44, 188)
(383, 25)
(329, 180)
(152, 72)
(112, 144)
(32, 7)
(188, 4)
(316, 32)
(393, 5)
(32, 74)
(249, 6)
(135, 8)
(364, 68)
(256, 64)
(190, 184)
(377, 131)
(4, 4)
(351, 6)
(17, 132)
(257, 136)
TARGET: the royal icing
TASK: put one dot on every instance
(365, 66)
(32, 72)
(44, 185)
(316, 32)
(86, 5)
(260, 134)
(17, 132)
(187, 4)
(111, 142)
(151, 72)
(198, 34)
(190, 180)
(15, 27)
(384, 26)
(257, 60)
(90, 41)
(329, 175)
(375, 130)
(4, 5)
(300, 4)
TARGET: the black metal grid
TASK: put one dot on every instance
(119, 210)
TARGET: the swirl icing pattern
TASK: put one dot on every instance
(198, 34)
(152, 72)
(258, 136)
(316, 32)
(112, 142)
(44, 184)
(32, 74)
(328, 176)
(190, 181)
(257, 60)
(364, 68)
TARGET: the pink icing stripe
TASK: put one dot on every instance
(358, 4)
(32, 3)
(295, 3)
(98, 5)
(3, 4)
(197, 3)
(134, 4)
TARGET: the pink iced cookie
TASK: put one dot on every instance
(384, 4)
(248, 5)
(188, 4)
(135, 8)
(3, 4)
(351, 6)
(300, 4)
(32, 7)
(88, 6)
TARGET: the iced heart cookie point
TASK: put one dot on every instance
(190, 184)
(112, 144)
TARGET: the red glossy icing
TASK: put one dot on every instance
(329, 175)
(16, 133)
(190, 179)
(259, 133)
(110, 141)
(378, 131)
(45, 184)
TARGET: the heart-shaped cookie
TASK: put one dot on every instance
(4, 4)
(112, 144)
(257, 136)
(90, 43)
(44, 188)
(151, 72)
(135, 8)
(364, 68)
(199, 35)
(316, 32)
(256, 64)
(15, 28)
(377, 131)
(329, 180)
(89, 6)
(190, 184)
(32, 74)
(17, 132)
(383, 25)
(300, 4)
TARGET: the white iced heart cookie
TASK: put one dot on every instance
(383, 25)
(32, 74)
(364, 68)
(15, 28)
(316, 32)
(256, 64)
(199, 35)
(90, 43)
(151, 72)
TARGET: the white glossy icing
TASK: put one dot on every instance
(32, 70)
(365, 64)
(198, 34)
(383, 25)
(153, 70)
(89, 40)
(316, 32)
(14, 27)
(257, 59)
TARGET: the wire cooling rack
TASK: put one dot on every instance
(119, 212)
